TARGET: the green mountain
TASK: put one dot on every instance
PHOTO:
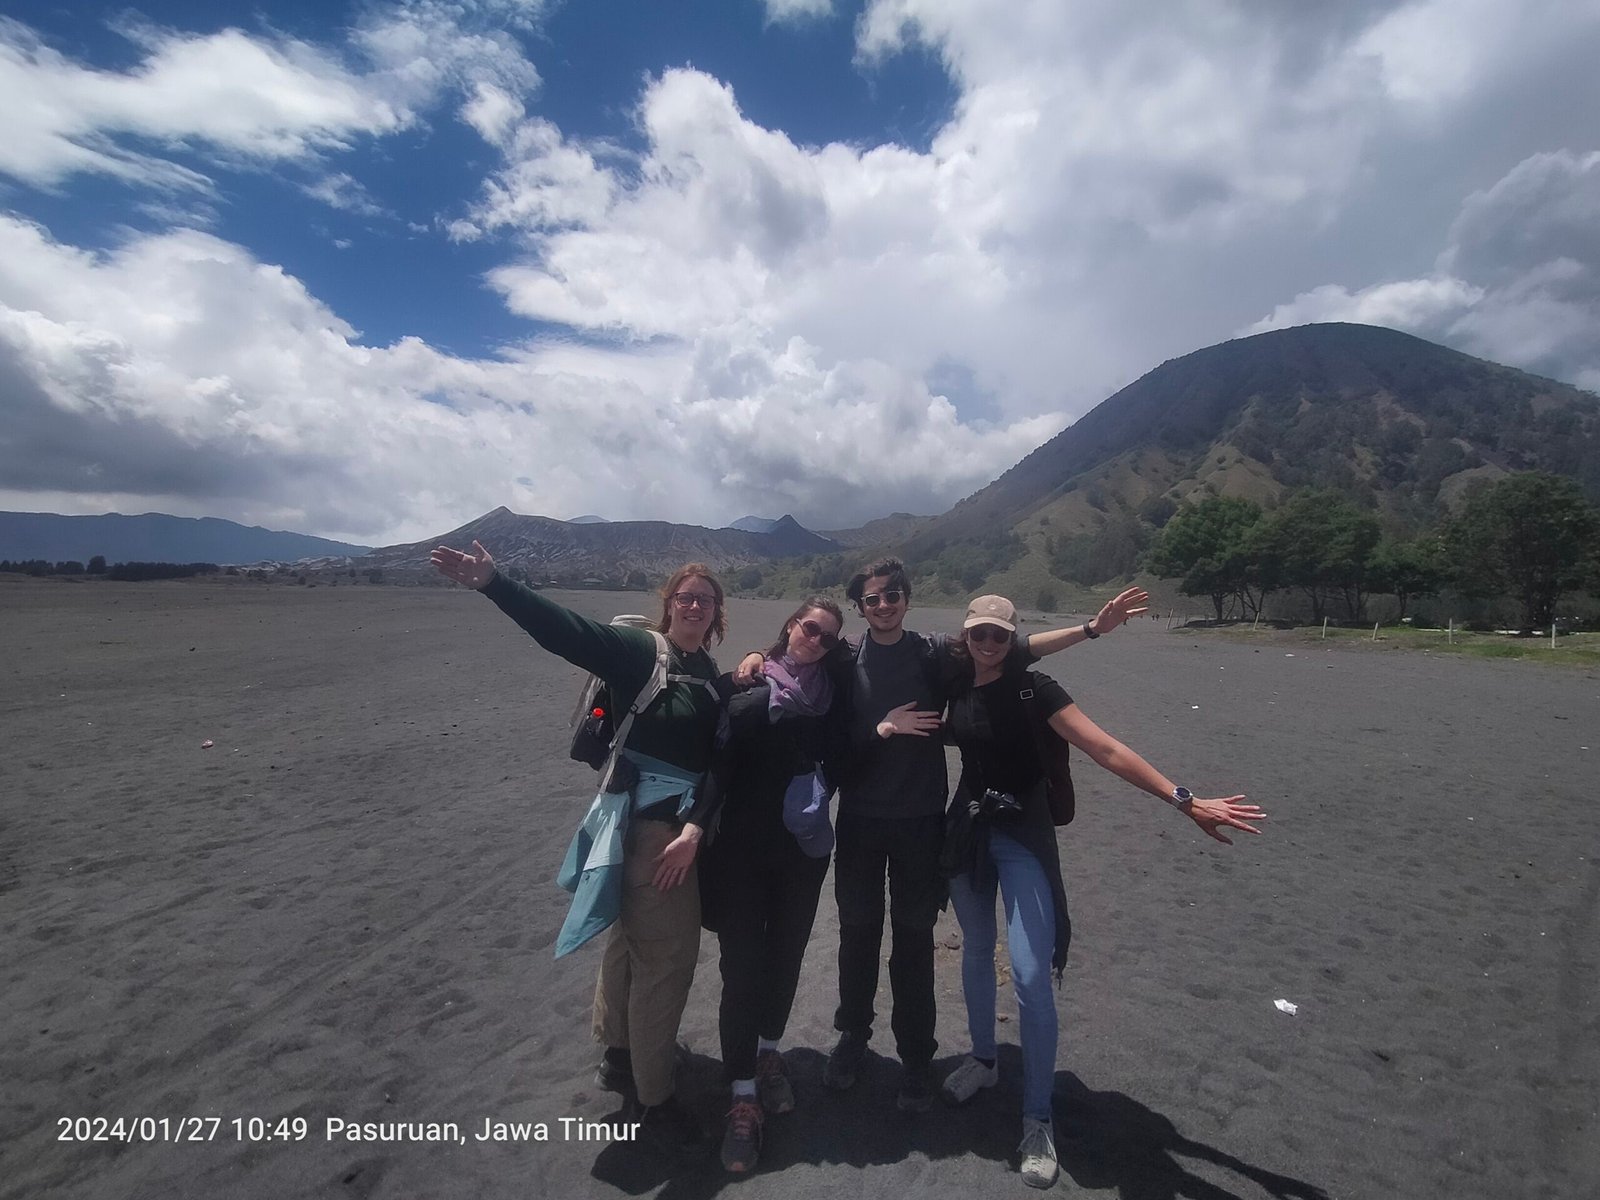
(1399, 424)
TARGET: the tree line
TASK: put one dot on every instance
(126, 571)
(1527, 540)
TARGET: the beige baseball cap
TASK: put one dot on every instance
(991, 610)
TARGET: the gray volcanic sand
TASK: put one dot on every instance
(345, 909)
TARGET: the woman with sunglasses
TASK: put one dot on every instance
(762, 873)
(1003, 835)
(654, 941)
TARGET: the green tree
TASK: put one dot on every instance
(1530, 536)
(1206, 544)
(1407, 569)
(97, 565)
(1320, 543)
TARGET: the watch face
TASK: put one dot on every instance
(1182, 795)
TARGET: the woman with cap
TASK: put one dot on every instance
(762, 871)
(1009, 726)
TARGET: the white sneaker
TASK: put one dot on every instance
(1038, 1150)
(968, 1079)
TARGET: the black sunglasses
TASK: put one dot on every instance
(988, 633)
(889, 596)
(816, 632)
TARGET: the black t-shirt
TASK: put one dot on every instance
(902, 776)
(990, 724)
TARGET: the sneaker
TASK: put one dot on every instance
(845, 1061)
(968, 1079)
(916, 1089)
(670, 1129)
(772, 1084)
(615, 1072)
(741, 1144)
(1038, 1151)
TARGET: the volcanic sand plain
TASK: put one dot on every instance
(344, 908)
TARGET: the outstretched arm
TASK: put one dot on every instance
(1131, 602)
(1211, 815)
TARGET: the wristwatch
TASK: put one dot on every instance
(1088, 630)
(1180, 798)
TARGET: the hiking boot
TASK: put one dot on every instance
(772, 1083)
(845, 1061)
(1038, 1152)
(670, 1130)
(916, 1089)
(741, 1143)
(615, 1072)
(968, 1079)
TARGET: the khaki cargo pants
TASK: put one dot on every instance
(649, 963)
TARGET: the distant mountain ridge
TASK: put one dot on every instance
(156, 537)
(609, 551)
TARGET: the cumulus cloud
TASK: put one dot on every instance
(180, 366)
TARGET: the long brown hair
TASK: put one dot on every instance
(781, 646)
(719, 619)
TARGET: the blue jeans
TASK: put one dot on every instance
(1030, 936)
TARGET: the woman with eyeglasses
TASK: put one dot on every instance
(1010, 725)
(762, 873)
(654, 940)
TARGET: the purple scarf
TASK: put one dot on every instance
(801, 691)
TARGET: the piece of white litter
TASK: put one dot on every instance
(1194, 706)
(207, 744)
(1285, 1006)
(1288, 656)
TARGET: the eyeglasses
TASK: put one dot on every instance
(988, 633)
(694, 600)
(890, 597)
(818, 634)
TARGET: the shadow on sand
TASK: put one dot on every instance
(1105, 1140)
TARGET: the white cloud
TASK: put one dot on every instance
(796, 12)
(226, 91)
(235, 96)
(180, 366)
(347, 194)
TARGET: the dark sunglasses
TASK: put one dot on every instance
(891, 597)
(818, 634)
(692, 599)
(988, 633)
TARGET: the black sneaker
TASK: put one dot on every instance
(615, 1072)
(916, 1089)
(741, 1143)
(670, 1130)
(845, 1061)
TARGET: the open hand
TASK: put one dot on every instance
(1213, 815)
(474, 570)
(909, 719)
(1133, 602)
(672, 864)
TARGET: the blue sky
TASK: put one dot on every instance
(368, 271)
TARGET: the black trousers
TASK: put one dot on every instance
(768, 905)
(906, 851)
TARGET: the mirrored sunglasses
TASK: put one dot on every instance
(890, 596)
